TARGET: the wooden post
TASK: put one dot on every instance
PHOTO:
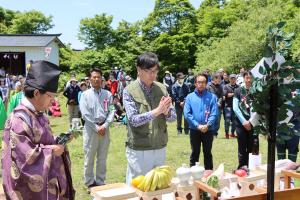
(272, 140)
(287, 182)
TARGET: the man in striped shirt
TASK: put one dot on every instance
(148, 108)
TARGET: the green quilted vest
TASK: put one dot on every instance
(152, 135)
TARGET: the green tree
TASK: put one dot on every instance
(66, 57)
(96, 32)
(169, 16)
(219, 33)
(6, 17)
(213, 23)
(293, 25)
(109, 47)
(176, 51)
(32, 22)
(170, 29)
(245, 42)
(212, 3)
(125, 32)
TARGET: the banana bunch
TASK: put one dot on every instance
(156, 179)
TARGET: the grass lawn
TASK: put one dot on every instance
(178, 151)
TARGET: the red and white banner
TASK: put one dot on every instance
(47, 52)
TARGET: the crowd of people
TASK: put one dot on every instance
(220, 83)
(115, 84)
(11, 87)
(198, 100)
(203, 107)
(145, 105)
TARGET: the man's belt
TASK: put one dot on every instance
(100, 123)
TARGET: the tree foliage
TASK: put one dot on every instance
(169, 16)
(96, 32)
(107, 47)
(31, 22)
(218, 34)
(170, 29)
(244, 44)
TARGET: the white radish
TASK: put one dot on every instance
(219, 172)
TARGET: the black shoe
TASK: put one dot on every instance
(93, 184)
(90, 186)
(179, 132)
(186, 132)
(227, 136)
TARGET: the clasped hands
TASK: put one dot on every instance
(163, 106)
(182, 104)
(247, 125)
(101, 130)
(57, 149)
(203, 128)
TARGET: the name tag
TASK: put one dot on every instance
(105, 105)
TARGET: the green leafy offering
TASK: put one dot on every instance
(65, 138)
(282, 74)
(213, 181)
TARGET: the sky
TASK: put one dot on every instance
(67, 13)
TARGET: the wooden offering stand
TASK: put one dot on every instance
(261, 193)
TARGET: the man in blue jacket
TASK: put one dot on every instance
(201, 111)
